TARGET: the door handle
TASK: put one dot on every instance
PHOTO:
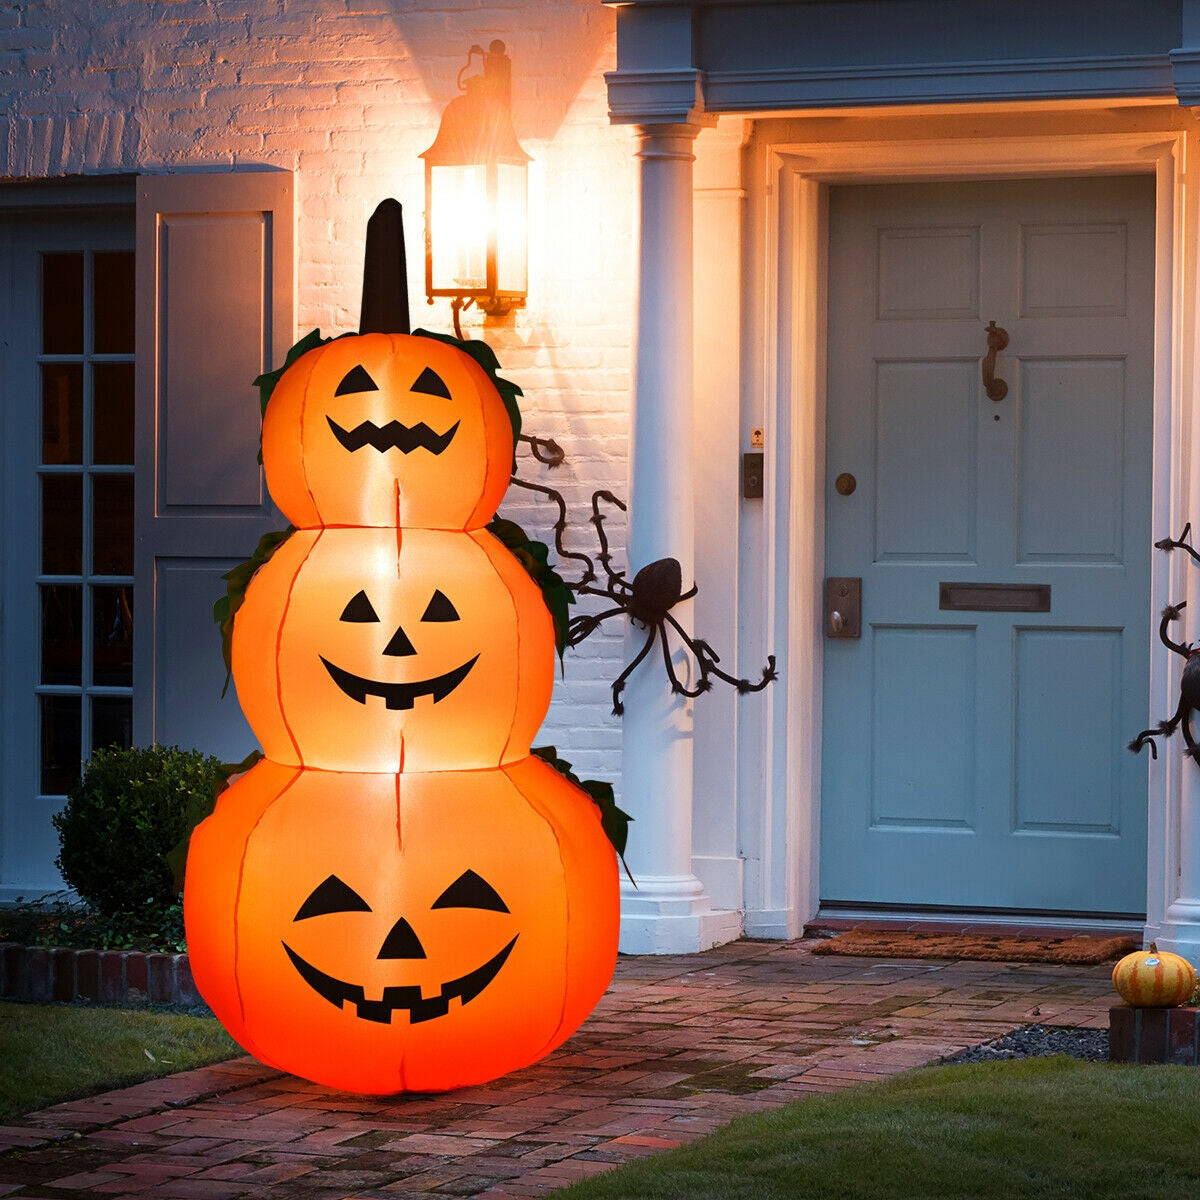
(997, 340)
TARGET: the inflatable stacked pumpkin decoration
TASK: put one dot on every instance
(398, 896)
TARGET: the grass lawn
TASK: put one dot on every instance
(1045, 1128)
(58, 1052)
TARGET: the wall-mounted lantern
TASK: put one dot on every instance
(476, 217)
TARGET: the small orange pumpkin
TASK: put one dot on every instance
(409, 932)
(387, 429)
(1154, 978)
(393, 649)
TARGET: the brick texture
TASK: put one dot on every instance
(1154, 1035)
(39, 975)
(679, 1046)
(347, 94)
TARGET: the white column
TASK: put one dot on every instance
(668, 912)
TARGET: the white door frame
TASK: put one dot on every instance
(789, 199)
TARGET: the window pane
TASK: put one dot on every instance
(112, 413)
(61, 732)
(112, 722)
(112, 292)
(112, 524)
(62, 303)
(62, 413)
(112, 636)
(62, 633)
(62, 524)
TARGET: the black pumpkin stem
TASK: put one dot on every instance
(385, 273)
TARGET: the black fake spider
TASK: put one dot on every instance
(648, 600)
(1189, 683)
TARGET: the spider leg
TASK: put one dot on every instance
(1182, 542)
(1192, 751)
(619, 684)
(586, 623)
(1169, 614)
(704, 685)
(708, 658)
(1163, 729)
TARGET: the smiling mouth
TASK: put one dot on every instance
(408, 997)
(398, 695)
(393, 436)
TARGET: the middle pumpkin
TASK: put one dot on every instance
(393, 650)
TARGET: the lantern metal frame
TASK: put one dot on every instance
(476, 130)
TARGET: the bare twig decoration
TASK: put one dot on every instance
(1189, 683)
(648, 600)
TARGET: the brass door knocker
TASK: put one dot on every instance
(997, 340)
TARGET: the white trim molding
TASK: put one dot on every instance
(788, 180)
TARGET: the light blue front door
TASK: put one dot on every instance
(974, 737)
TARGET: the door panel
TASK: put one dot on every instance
(975, 759)
(215, 310)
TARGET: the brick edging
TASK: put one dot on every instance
(41, 974)
(1154, 1035)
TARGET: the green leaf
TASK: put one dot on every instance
(267, 382)
(613, 820)
(198, 808)
(534, 557)
(237, 580)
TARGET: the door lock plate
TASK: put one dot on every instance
(843, 607)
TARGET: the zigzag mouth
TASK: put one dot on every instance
(398, 695)
(393, 436)
(407, 997)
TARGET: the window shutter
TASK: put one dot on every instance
(215, 309)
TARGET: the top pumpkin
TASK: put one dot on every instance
(384, 430)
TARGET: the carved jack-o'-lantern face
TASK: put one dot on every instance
(382, 650)
(333, 896)
(387, 429)
(393, 932)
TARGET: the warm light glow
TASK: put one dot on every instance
(512, 220)
(459, 221)
(476, 194)
(399, 896)
(258, 887)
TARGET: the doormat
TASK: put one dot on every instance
(1072, 951)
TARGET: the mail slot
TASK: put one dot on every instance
(994, 597)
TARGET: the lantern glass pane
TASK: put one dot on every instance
(512, 224)
(458, 227)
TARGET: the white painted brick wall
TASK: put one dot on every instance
(346, 94)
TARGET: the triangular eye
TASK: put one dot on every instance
(359, 609)
(356, 380)
(430, 383)
(440, 609)
(471, 891)
(332, 896)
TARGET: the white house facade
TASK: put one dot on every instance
(882, 314)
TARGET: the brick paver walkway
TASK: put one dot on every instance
(678, 1047)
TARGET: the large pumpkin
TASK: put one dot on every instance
(387, 429)
(411, 932)
(1154, 978)
(393, 649)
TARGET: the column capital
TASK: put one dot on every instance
(666, 140)
(662, 97)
